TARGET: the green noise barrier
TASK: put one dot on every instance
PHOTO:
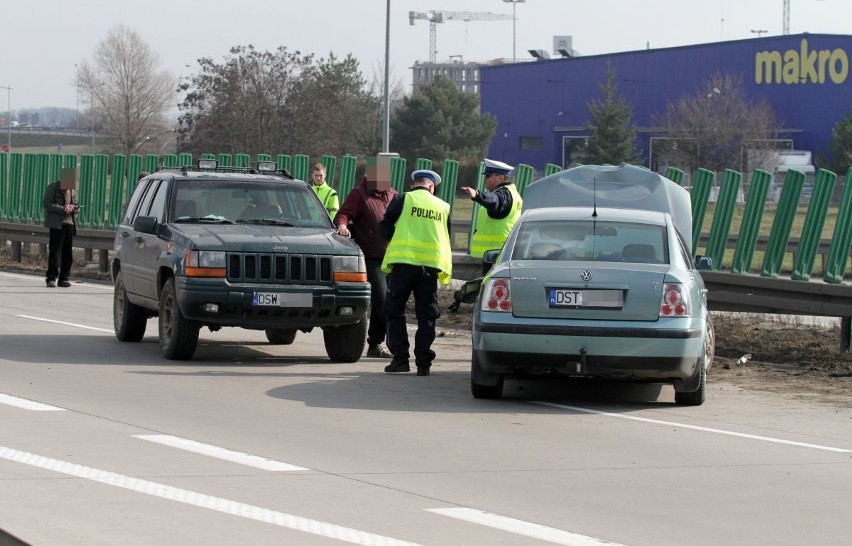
(720, 228)
(803, 261)
(700, 195)
(398, 174)
(675, 175)
(752, 216)
(841, 241)
(779, 235)
(346, 182)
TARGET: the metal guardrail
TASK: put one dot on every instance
(727, 291)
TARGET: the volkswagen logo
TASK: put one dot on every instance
(586, 275)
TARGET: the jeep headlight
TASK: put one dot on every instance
(205, 263)
(349, 268)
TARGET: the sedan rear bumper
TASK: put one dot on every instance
(636, 353)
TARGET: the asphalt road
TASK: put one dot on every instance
(103, 442)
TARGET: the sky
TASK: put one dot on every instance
(42, 41)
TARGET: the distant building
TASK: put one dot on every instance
(541, 107)
(464, 75)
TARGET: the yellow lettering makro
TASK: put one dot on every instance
(801, 66)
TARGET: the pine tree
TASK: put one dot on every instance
(612, 137)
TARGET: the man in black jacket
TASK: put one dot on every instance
(59, 213)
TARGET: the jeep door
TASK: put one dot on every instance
(126, 236)
(149, 247)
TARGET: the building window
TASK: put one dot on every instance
(532, 144)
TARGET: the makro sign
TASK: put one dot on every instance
(801, 66)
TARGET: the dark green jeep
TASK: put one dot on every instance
(254, 248)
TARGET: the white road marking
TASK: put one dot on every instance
(23, 403)
(217, 504)
(695, 427)
(220, 453)
(520, 527)
(75, 325)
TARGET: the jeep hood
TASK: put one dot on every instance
(255, 238)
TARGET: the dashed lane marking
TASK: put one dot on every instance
(193, 498)
(220, 453)
(23, 403)
(520, 527)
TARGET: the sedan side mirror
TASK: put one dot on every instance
(703, 262)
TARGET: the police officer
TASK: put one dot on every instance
(417, 226)
(325, 192)
(502, 203)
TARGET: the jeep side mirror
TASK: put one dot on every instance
(146, 224)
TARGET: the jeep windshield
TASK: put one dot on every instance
(258, 202)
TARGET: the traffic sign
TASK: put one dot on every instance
(4, 148)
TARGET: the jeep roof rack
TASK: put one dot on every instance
(212, 165)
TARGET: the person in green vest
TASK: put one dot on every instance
(502, 204)
(325, 192)
(419, 256)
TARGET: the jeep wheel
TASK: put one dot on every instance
(281, 337)
(345, 343)
(178, 336)
(128, 319)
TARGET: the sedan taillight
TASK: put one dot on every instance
(497, 296)
(675, 301)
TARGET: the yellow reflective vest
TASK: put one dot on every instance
(420, 235)
(328, 197)
(490, 233)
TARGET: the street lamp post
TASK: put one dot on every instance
(514, 22)
(759, 32)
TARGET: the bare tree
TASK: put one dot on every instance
(719, 126)
(128, 90)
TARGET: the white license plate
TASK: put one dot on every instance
(282, 299)
(561, 297)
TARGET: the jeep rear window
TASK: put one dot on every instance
(247, 202)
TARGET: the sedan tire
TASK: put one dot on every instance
(492, 389)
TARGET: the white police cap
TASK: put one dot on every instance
(426, 173)
(497, 167)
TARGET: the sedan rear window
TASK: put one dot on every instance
(591, 241)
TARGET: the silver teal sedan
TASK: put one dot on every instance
(588, 291)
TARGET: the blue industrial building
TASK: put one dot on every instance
(542, 109)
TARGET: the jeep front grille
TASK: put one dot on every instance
(279, 268)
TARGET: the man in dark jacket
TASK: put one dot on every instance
(359, 217)
(59, 213)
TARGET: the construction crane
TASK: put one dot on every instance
(435, 16)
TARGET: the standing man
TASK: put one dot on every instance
(502, 203)
(359, 218)
(59, 216)
(417, 226)
(326, 193)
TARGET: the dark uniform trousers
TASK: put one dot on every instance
(422, 281)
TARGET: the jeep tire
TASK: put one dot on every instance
(345, 343)
(178, 336)
(129, 320)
